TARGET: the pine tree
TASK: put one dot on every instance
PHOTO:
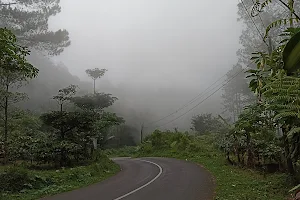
(28, 19)
(236, 93)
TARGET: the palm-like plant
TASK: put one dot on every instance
(282, 95)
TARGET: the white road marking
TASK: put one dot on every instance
(143, 186)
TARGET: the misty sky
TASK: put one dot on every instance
(155, 43)
(160, 53)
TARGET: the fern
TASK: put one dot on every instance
(283, 96)
(292, 132)
(265, 3)
(279, 22)
(285, 115)
(289, 106)
(288, 98)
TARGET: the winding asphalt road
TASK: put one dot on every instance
(149, 179)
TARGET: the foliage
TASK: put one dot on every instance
(73, 132)
(291, 54)
(205, 123)
(236, 93)
(12, 55)
(14, 179)
(126, 151)
(14, 70)
(95, 73)
(280, 22)
(232, 182)
(123, 135)
(64, 95)
(43, 183)
(97, 101)
(29, 21)
(268, 131)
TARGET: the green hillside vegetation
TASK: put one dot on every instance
(232, 181)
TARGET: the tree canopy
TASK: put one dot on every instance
(29, 21)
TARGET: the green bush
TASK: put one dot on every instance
(14, 179)
(37, 182)
(167, 140)
(126, 151)
(146, 147)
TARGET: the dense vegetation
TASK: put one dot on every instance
(232, 182)
(47, 151)
(260, 127)
(266, 131)
(43, 149)
(34, 145)
(27, 183)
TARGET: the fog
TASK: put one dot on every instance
(159, 54)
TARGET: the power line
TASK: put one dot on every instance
(226, 82)
(253, 22)
(278, 2)
(200, 101)
(198, 96)
(190, 102)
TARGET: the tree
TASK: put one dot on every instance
(72, 130)
(65, 95)
(282, 94)
(205, 123)
(265, 14)
(236, 93)
(14, 70)
(75, 130)
(95, 74)
(62, 120)
(95, 104)
(29, 21)
(123, 135)
(275, 81)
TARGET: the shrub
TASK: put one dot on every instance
(14, 179)
(146, 147)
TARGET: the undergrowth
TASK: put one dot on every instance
(232, 182)
(24, 184)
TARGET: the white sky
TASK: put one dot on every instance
(151, 43)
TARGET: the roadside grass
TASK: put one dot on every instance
(63, 180)
(232, 182)
(127, 151)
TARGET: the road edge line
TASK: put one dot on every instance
(145, 185)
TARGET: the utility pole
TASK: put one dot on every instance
(142, 129)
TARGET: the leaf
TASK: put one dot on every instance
(294, 188)
(279, 23)
(291, 54)
(292, 132)
(285, 114)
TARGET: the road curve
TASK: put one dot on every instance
(149, 179)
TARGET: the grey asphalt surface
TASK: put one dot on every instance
(178, 180)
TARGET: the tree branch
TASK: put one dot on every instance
(69, 129)
(286, 5)
(7, 4)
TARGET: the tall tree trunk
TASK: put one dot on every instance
(6, 128)
(142, 129)
(62, 135)
(289, 162)
(250, 160)
(94, 86)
